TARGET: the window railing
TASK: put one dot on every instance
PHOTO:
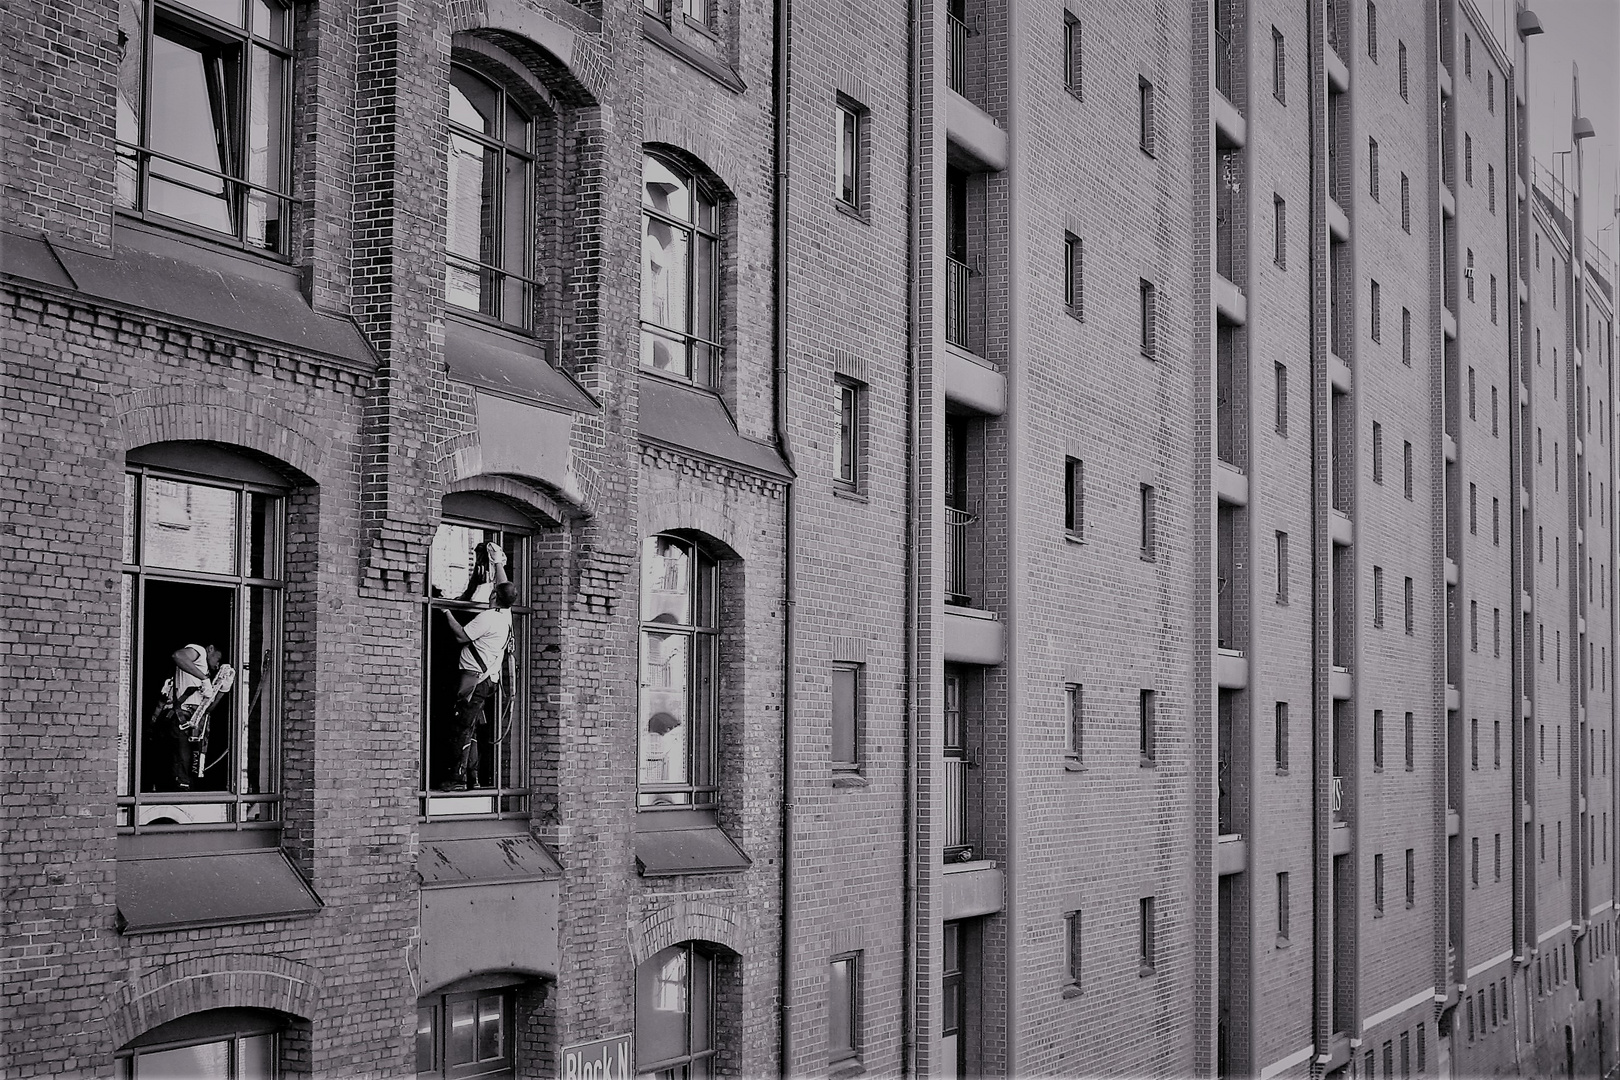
(1225, 66)
(1443, 16)
(1336, 798)
(1228, 193)
(953, 771)
(257, 216)
(959, 40)
(956, 555)
(1334, 22)
(957, 308)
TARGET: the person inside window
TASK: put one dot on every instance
(483, 641)
(201, 678)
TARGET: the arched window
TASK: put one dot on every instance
(680, 273)
(489, 247)
(475, 715)
(204, 574)
(241, 1044)
(675, 1014)
(203, 137)
(679, 658)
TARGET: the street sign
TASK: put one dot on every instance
(604, 1059)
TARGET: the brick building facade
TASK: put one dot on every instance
(984, 596)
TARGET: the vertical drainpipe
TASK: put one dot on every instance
(913, 668)
(1015, 247)
(784, 13)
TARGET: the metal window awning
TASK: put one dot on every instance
(489, 904)
(695, 845)
(208, 888)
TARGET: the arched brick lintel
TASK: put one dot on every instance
(684, 919)
(231, 981)
(194, 413)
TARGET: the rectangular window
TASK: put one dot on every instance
(1074, 275)
(1072, 945)
(1073, 67)
(1283, 906)
(1496, 521)
(1147, 136)
(1406, 90)
(1409, 604)
(1498, 856)
(1074, 497)
(1377, 452)
(1406, 337)
(1376, 313)
(1149, 320)
(1279, 232)
(1473, 396)
(1406, 203)
(1372, 31)
(1490, 186)
(1473, 626)
(204, 576)
(1150, 542)
(1372, 168)
(1378, 597)
(1378, 740)
(1280, 735)
(846, 716)
(1473, 862)
(1493, 299)
(1144, 935)
(1147, 708)
(1074, 698)
(1490, 92)
(843, 1009)
(1496, 631)
(696, 11)
(1281, 374)
(203, 129)
(1411, 877)
(1411, 741)
(1473, 743)
(1282, 568)
(1468, 159)
(1279, 71)
(1468, 57)
(847, 451)
(1496, 744)
(1378, 884)
(1496, 428)
(1473, 509)
(1406, 467)
(851, 155)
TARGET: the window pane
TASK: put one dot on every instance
(844, 688)
(664, 191)
(131, 42)
(190, 526)
(209, 1061)
(193, 95)
(458, 1045)
(474, 102)
(468, 213)
(256, 688)
(126, 682)
(703, 287)
(664, 708)
(270, 20)
(666, 577)
(702, 1001)
(848, 155)
(661, 1007)
(189, 755)
(458, 564)
(256, 1058)
(426, 1038)
(839, 1004)
(228, 11)
(132, 485)
(491, 1028)
(703, 719)
(264, 519)
(265, 148)
(516, 239)
(663, 274)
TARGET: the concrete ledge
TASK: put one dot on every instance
(1231, 855)
(1340, 838)
(1230, 303)
(1231, 486)
(1453, 823)
(1339, 374)
(1448, 202)
(972, 888)
(1525, 603)
(1338, 72)
(973, 383)
(1342, 528)
(1229, 123)
(972, 636)
(1449, 445)
(1453, 699)
(1337, 1054)
(1231, 670)
(1452, 574)
(1445, 79)
(1340, 684)
(1448, 323)
(972, 131)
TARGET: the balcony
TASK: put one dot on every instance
(959, 48)
(1336, 799)
(1226, 66)
(957, 843)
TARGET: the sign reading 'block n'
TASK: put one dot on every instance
(604, 1059)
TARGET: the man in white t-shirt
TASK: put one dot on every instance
(483, 651)
(201, 678)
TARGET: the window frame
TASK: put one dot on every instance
(850, 1052)
(849, 448)
(702, 791)
(205, 1028)
(1073, 55)
(497, 1067)
(137, 575)
(1074, 276)
(850, 148)
(233, 134)
(678, 1064)
(1074, 731)
(701, 192)
(500, 800)
(856, 673)
(1074, 498)
(496, 272)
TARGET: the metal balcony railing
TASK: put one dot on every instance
(1224, 64)
(1336, 798)
(1334, 23)
(957, 325)
(956, 555)
(953, 774)
(959, 39)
